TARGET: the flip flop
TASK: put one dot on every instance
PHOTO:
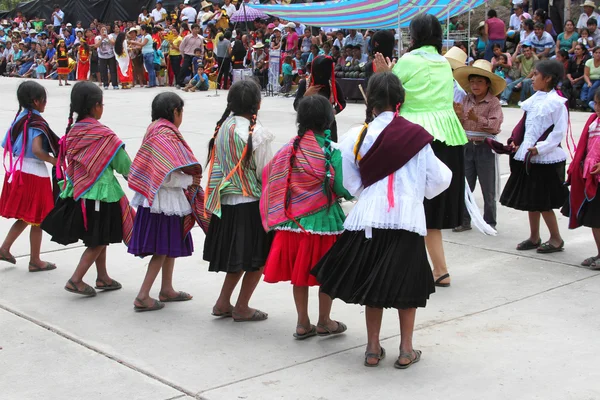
(585, 263)
(301, 336)
(8, 258)
(181, 296)
(379, 357)
(415, 360)
(528, 245)
(438, 281)
(328, 332)
(36, 268)
(113, 286)
(157, 305)
(547, 248)
(595, 267)
(88, 291)
(219, 314)
(257, 316)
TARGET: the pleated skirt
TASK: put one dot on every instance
(27, 197)
(294, 254)
(237, 241)
(542, 189)
(589, 215)
(65, 223)
(390, 270)
(445, 211)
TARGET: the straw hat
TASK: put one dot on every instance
(207, 16)
(589, 3)
(205, 4)
(481, 25)
(132, 29)
(456, 57)
(480, 68)
(258, 45)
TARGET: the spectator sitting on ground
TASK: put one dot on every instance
(585, 39)
(198, 82)
(527, 31)
(588, 12)
(501, 67)
(542, 42)
(592, 27)
(497, 53)
(526, 63)
(567, 39)
(572, 84)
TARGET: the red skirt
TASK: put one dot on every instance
(123, 78)
(27, 197)
(294, 254)
(83, 71)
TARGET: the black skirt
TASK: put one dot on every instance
(543, 189)
(390, 270)
(66, 226)
(237, 241)
(589, 215)
(446, 210)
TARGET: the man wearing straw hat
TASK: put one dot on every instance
(481, 116)
(589, 8)
(457, 58)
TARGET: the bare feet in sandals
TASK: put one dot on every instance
(6, 256)
(80, 288)
(147, 304)
(331, 328)
(40, 266)
(173, 295)
(249, 315)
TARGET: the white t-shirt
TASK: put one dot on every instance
(56, 21)
(230, 9)
(583, 19)
(158, 15)
(190, 13)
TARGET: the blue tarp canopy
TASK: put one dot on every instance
(363, 14)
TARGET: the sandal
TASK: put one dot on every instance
(36, 268)
(309, 333)
(588, 262)
(341, 328)
(181, 296)
(88, 291)
(156, 305)
(415, 360)
(528, 245)
(379, 357)
(595, 267)
(257, 316)
(438, 281)
(6, 256)
(547, 248)
(220, 314)
(114, 285)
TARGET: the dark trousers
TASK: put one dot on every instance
(571, 92)
(480, 163)
(139, 75)
(175, 66)
(557, 15)
(224, 68)
(186, 69)
(105, 64)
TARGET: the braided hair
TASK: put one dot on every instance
(84, 97)
(27, 94)
(243, 99)
(384, 91)
(314, 114)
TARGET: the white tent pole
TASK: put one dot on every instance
(469, 36)
(448, 30)
(400, 40)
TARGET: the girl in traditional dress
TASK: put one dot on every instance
(380, 260)
(300, 188)
(162, 169)
(92, 206)
(583, 175)
(125, 67)
(83, 62)
(236, 242)
(62, 60)
(537, 168)
(27, 190)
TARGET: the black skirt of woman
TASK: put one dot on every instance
(541, 189)
(390, 270)
(66, 226)
(589, 215)
(237, 241)
(446, 210)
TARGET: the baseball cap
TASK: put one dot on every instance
(271, 26)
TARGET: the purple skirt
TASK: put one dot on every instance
(159, 234)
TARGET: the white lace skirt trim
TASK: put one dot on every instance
(168, 201)
(298, 230)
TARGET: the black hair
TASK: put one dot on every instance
(226, 35)
(85, 96)
(243, 98)
(426, 30)
(164, 106)
(492, 13)
(539, 25)
(154, 45)
(145, 28)
(542, 14)
(119, 43)
(384, 90)
(528, 23)
(592, 21)
(315, 114)
(497, 46)
(583, 47)
(595, 48)
(563, 53)
(197, 49)
(585, 30)
(489, 82)
(383, 42)
(144, 8)
(552, 69)
(27, 93)
(195, 26)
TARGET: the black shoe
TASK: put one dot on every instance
(462, 228)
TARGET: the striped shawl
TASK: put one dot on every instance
(304, 183)
(163, 151)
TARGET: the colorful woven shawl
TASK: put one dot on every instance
(304, 183)
(85, 153)
(163, 151)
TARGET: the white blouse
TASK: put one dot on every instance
(170, 199)
(423, 176)
(543, 110)
(262, 154)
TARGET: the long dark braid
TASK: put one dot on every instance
(13, 132)
(211, 143)
(249, 145)
(363, 132)
(70, 120)
(295, 146)
(27, 94)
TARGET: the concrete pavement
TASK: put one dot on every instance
(513, 324)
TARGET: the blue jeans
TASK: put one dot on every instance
(149, 64)
(526, 89)
(587, 93)
(489, 51)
